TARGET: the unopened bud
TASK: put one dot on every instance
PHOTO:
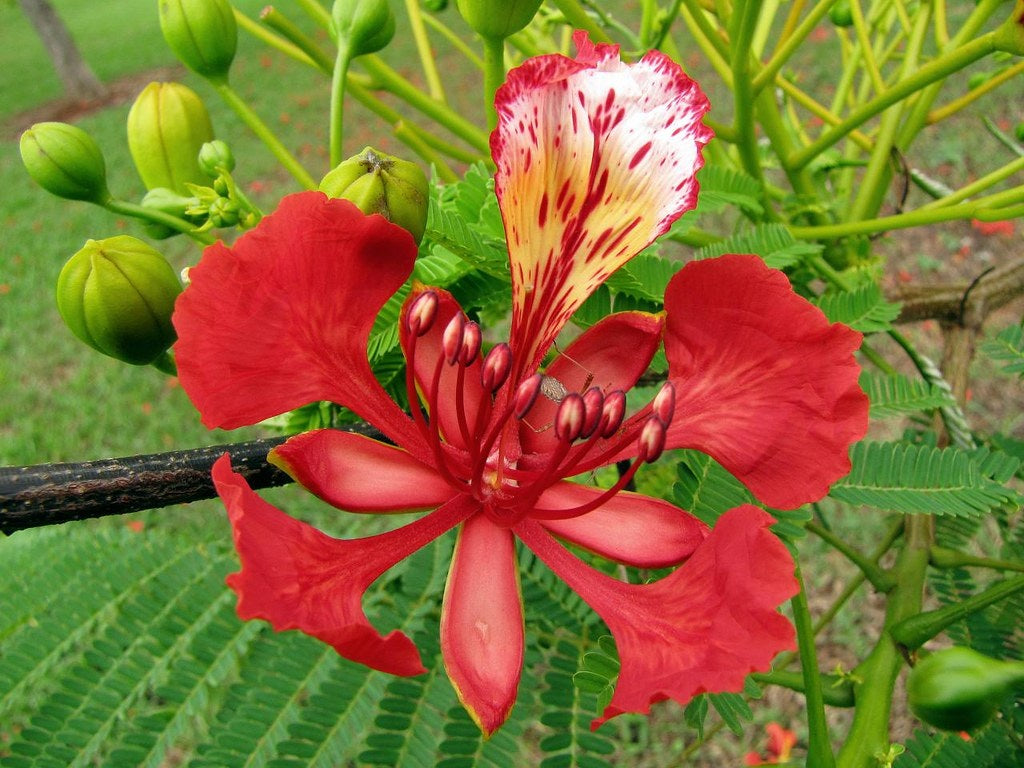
(496, 367)
(65, 161)
(167, 126)
(214, 156)
(363, 26)
(117, 295)
(202, 33)
(593, 400)
(526, 395)
(224, 212)
(471, 341)
(378, 183)
(652, 439)
(613, 412)
(569, 417)
(497, 19)
(451, 339)
(170, 202)
(422, 313)
(664, 405)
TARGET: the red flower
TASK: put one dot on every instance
(989, 228)
(780, 747)
(595, 159)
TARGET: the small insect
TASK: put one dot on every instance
(555, 391)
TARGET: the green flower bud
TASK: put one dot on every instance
(65, 161)
(1018, 131)
(379, 183)
(497, 19)
(841, 14)
(213, 155)
(365, 26)
(117, 296)
(168, 201)
(959, 689)
(167, 126)
(202, 33)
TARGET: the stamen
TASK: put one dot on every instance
(471, 341)
(652, 440)
(570, 417)
(496, 367)
(664, 404)
(612, 413)
(410, 385)
(422, 313)
(526, 395)
(434, 428)
(452, 339)
(590, 506)
(593, 401)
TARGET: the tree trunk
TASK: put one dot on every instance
(76, 75)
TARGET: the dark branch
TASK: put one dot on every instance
(59, 493)
(967, 303)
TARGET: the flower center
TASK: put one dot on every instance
(478, 450)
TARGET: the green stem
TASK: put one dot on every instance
(494, 76)
(879, 579)
(745, 21)
(819, 750)
(317, 12)
(454, 40)
(986, 181)
(278, 43)
(937, 69)
(419, 34)
(136, 211)
(281, 24)
(338, 83)
(408, 135)
(914, 631)
(257, 126)
(838, 691)
(578, 18)
(387, 79)
(869, 732)
(941, 557)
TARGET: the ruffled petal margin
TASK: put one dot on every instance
(629, 528)
(703, 627)
(296, 577)
(355, 473)
(596, 158)
(282, 317)
(482, 622)
(764, 383)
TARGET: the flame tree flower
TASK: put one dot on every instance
(595, 159)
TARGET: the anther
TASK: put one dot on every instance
(569, 417)
(471, 341)
(664, 404)
(496, 367)
(593, 402)
(652, 440)
(452, 339)
(422, 313)
(526, 395)
(612, 413)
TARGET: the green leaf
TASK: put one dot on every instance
(898, 394)
(863, 309)
(705, 488)
(920, 479)
(1008, 347)
(772, 242)
(721, 188)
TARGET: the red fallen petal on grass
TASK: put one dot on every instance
(595, 159)
(764, 383)
(482, 622)
(703, 627)
(629, 528)
(355, 473)
(989, 228)
(296, 577)
(281, 318)
(611, 354)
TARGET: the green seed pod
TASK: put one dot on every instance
(202, 33)
(214, 155)
(497, 19)
(959, 689)
(65, 161)
(379, 183)
(365, 26)
(841, 14)
(117, 295)
(167, 126)
(1018, 131)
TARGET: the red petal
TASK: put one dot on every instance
(763, 382)
(296, 577)
(281, 318)
(702, 628)
(630, 528)
(428, 353)
(612, 354)
(358, 474)
(596, 158)
(482, 622)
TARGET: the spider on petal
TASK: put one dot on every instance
(595, 159)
